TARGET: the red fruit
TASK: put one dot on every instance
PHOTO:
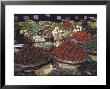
(69, 51)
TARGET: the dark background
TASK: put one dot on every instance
(53, 17)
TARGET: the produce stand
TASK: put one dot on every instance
(51, 35)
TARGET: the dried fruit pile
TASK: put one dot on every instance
(82, 36)
(69, 51)
(30, 55)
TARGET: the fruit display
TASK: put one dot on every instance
(30, 56)
(69, 52)
(55, 45)
(82, 36)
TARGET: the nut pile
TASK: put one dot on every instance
(69, 51)
(30, 55)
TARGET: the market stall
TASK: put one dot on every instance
(55, 45)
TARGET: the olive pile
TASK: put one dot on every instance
(30, 55)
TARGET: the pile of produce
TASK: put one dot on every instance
(67, 44)
(82, 36)
(30, 56)
(69, 51)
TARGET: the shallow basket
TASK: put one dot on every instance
(68, 62)
(31, 65)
